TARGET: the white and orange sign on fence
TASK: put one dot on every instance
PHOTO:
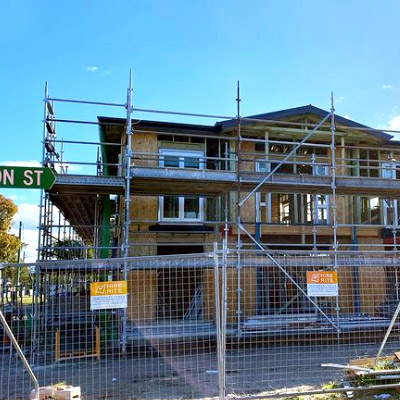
(105, 295)
(322, 283)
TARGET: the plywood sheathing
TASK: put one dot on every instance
(247, 161)
(142, 245)
(143, 208)
(369, 240)
(210, 238)
(274, 208)
(142, 296)
(371, 285)
(372, 281)
(247, 211)
(144, 143)
(346, 290)
(324, 232)
(248, 293)
(372, 289)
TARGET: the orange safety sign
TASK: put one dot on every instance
(108, 288)
(107, 295)
(322, 277)
(322, 284)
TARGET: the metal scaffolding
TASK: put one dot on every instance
(93, 228)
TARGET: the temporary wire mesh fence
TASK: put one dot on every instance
(202, 325)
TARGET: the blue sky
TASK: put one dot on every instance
(187, 56)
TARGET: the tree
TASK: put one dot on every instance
(9, 243)
(69, 249)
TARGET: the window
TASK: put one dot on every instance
(284, 208)
(263, 200)
(369, 164)
(388, 170)
(320, 170)
(321, 201)
(181, 208)
(390, 206)
(277, 153)
(321, 208)
(367, 210)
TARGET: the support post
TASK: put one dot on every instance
(334, 207)
(128, 156)
(238, 218)
(219, 326)
(40, 255)
(356, 274)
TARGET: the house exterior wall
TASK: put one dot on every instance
(144, 213)
(248, 290)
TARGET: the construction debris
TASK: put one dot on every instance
(370, 371)
(57, 392)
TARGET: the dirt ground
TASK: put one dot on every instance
(187, 374)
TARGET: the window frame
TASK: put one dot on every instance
(181, 154)
(259, 203)
(389, 206)
(321, 170)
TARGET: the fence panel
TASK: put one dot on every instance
(170, 333)
(281, 336)
(274, 332)
(16, 304)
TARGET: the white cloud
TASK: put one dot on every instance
(394, 123)
(35, 163)
(30, 238)
(73, 167)
(30, 163)
(28, 214)
(16, 198)
(91, 69)
(103, 72)
(387, 86)
(339, 99)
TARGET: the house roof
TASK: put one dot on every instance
(303, 110)
(111, 128)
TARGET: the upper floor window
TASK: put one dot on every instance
(320, 170)
(263, 165)
(369, 163)
(263, 200)
(388, 170)
(181, 208)
(181, 158)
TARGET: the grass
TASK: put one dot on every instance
(27, 300)
(343, 396)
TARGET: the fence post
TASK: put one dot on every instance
(10, 334)
(224, 304)
(219, 327)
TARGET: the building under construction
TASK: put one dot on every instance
(301, 180)
(215, 226)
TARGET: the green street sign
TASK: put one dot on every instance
(26, 177)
